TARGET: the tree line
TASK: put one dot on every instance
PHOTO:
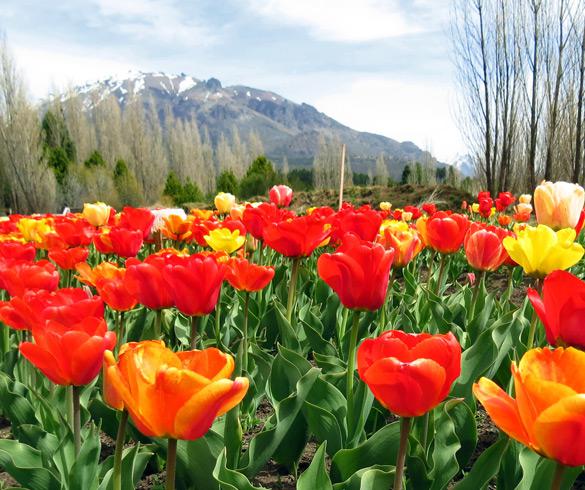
(521, 76)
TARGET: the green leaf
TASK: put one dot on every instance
(24, 464)
(485, 468)
(84, 473)
(380, 449)
(14, 404)
(538, 471)
(315, 476)
(376, 477)
(134, 461)
(196, 461)
(288, 334)
(264, 444)
(231, 479)
(446, 444)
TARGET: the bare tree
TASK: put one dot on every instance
(579, 22)
(32, 182)
(381, 174)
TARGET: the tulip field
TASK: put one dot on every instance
(259, 345)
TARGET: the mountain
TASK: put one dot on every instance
(464, 165)
(285, 127)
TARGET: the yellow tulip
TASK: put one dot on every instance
(34, 230)
(475, 207)
(385, 206)
(525, 198)
(97, 214)
(225, 240)
(394, 225)
(558, 204)
(224, 202)
(540, 250)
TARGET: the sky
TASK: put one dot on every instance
(382, 66)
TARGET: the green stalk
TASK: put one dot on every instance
(477, 287)
(244, 368)
(193, 333)
(218, 342)
(292, 288)
(157, 324)
(401, 458)
(557, 477)
(117, 474)
(171, 464)
(69, 403)
(532, 329)
(441, 273)
(351, 367)
(76, 391)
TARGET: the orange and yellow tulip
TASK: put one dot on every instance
(167, 394)
(548, 413)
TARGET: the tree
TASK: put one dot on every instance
(32, 185)
(227, 182)
(381, 173)
(327, 164)
(126, 185)
(173, 186)
(406, 171)
(441, 174)
(95, 160)
(255, 146)
(259, 177)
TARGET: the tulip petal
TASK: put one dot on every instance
(44, 361)
(560, 431)
(502, 409)
(406, 389)
(560, 365)
(210, 363)
(197, 415)
(550, 327)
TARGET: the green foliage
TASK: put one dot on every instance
(57, 159)
(259, 178)
(95, 160)
(300, 179)
(360, 179)
(56, 134)
(179, 193)
(227, 182)
(405, 174)
(441, 174)
(126, 185)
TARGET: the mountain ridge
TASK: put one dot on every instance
(286, 128)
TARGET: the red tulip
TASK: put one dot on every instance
(68, 258)
(113, 290)
(561, 309)
(246, 276)
(296, 237)
(69, 355)
(145, 281)
(257, 218)
(21, 276)
(140, 219)
(483, 247)
(443, 232)
(17, 251)
(409, 374)
(195, 284)
(358, 272)
(429, 208)
(34, 308)
(281, 195)
(363, 222)
(74, 232)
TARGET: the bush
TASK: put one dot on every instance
(95, 160)
(227, 182)
(259, 178)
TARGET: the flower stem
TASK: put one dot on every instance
(401, 458)
(476, 289)
(244, 367)
(218, 342)
(117, 474)
(157, 324)
(351, 368)
(171, 464)
(76, 391)
(533, 321)
(292, 288)
(441, 273)
(193, 333)
(557, 477)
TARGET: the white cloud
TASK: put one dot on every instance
(419, 112)
(52, 68)
(340, 20)
(151, 20)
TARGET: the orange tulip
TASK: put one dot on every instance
(89, 276)
(167, 394)
(548, 413)
(177, 228)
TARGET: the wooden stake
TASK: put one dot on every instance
(342, 175)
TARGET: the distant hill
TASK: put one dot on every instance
(287, 129)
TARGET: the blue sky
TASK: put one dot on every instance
(376, 65)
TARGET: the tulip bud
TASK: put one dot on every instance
(224, 202)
